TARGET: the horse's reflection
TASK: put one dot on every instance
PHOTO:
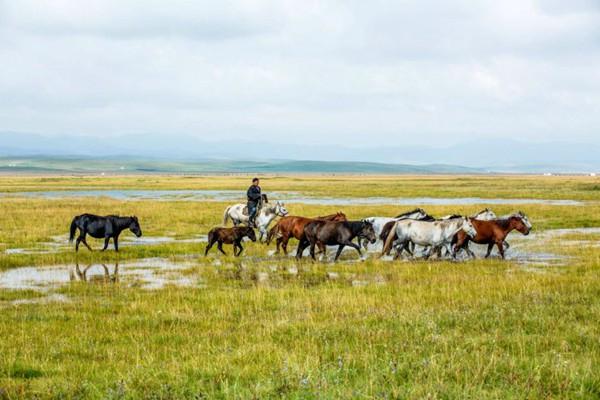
(91, 276)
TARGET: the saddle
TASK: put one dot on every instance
(245, 211)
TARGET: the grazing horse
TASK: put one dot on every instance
(492, 232)
(229, 236)
(379, 223)
(432, 234)
(293, 227)
(105, 228)
(331, 233)
(264, 217)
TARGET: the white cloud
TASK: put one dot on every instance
(315, 71)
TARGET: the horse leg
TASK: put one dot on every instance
(489, 250)
(220, 247)
(500, 248)
(312, 250)
(322, 250)
(284, 242)
(208, 247)
(106, 240)
(303, 244)
(353, 245)
(77, 244)
(85, 243)
(116, 243)
(239, 246)
(339, 251)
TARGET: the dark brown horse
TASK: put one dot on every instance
(229, 236)
(492, 233)
(331, 233)
(293, 227)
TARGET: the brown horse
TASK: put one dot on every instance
(492, 233)
(229, 236)
(331, 233)
(293, 227)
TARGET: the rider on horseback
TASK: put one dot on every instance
(254, 197)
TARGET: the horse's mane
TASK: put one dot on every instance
(410, 212)
(453, 216)
(505, 222)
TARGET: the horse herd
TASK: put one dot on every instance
(444, 237)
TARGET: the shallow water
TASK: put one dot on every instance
(150, 273)
(288, 197)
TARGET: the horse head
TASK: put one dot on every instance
(467, 227)
(525, 219)
(134, 226)
(518, 223)
(280, 209)
(367, 231)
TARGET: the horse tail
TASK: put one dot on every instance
(73, 228)
(211, 236)
(226, 215)
(390, 239)
(274, 230)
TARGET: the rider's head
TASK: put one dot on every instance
(255, 181)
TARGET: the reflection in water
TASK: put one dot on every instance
(76, 274)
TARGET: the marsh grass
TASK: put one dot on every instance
(264, 326)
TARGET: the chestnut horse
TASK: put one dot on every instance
(293, 227)
(493, 232)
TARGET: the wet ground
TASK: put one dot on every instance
(288, 197)
(271, 270)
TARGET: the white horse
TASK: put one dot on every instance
(379, 222)
(263, 218)
(432, 234)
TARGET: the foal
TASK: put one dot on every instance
(229, 236)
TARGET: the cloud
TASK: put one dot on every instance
(303, 71)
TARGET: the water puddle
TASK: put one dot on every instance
(150, 273)
(289, 197)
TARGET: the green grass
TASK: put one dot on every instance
(374, 329)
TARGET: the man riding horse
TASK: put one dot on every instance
(254, 201)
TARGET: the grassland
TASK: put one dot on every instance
(374, 329)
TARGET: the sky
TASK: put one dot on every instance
(357, 73)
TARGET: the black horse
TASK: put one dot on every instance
(331, 233)
(99, 227)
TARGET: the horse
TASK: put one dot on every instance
(264, 216)
(99, 227)
(380, 222)
(293, 226)
(485, 214)
(492, 232)
(340, 233)
(432, 234)
(229, 236)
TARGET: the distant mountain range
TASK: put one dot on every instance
(169, 153)
(66, 164)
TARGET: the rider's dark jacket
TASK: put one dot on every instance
(253, 194)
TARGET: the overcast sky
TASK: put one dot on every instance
(353, 72)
